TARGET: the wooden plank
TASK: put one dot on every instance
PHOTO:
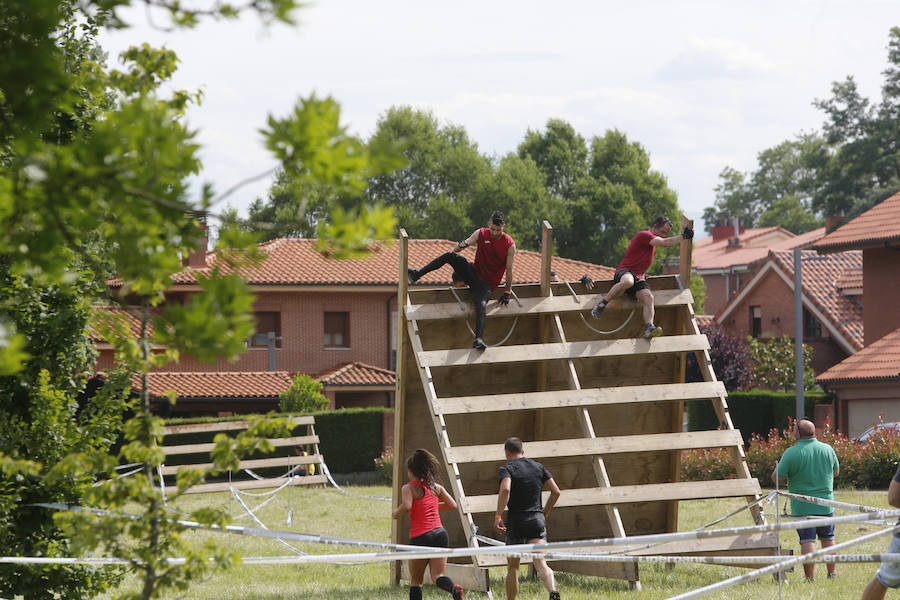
(468, 576)
(563, 351)
(225, 426)
(624, 494)
(652, 442)
(400, 397)
(585, 397)
(277, 442)
(684, 265)
(204, 488)
(258, 463)
(551, 304)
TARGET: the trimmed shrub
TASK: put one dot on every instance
(753, 412)
(304, 395)
(870, 466)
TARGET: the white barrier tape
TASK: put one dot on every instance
(777, 567)
(342, 490)
(768, 497)
(253, 475)
(862, 508)
(628, 542)
(261, 524)
(286, 483)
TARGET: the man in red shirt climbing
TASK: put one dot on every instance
(631, 274)
(494, 255)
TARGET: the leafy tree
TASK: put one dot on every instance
(443, 166)
(698, 291)
(729, 355)
(305, 395)
(93, 184)
(561, 154)
(773, 364)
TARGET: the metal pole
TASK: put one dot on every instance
(271, 339)
(798, 331)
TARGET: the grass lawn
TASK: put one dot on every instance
(325, 511)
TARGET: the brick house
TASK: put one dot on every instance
(333, 319)
(831, 299)
(867, 384)
(730, 258)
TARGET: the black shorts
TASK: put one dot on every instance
(436, 538)
(521, 529)
(639, 284)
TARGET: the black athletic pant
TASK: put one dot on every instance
(464, 271)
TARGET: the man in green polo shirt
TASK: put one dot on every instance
(809, 466)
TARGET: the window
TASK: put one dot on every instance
(266, 322)
(337, 330)
(812, 328)
(755, 321)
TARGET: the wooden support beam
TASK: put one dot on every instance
(563, 351)
(625, 494)
(225, 426)
(280, 461)
(302, 440)
(398, 471)
(650, 442)
(551, 304)
(585, 397)
(684, 264)
(255, 485)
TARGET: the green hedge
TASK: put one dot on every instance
(350, 439)
(752, 412)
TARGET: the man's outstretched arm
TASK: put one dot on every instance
(466, 242)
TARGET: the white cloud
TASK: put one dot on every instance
(706, 59)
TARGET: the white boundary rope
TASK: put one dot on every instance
(342, 490)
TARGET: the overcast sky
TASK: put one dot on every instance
(700, 85)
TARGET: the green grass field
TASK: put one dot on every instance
(325, 511)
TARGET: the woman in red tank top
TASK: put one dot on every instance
(422, 498)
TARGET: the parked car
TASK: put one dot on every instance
(866, 435)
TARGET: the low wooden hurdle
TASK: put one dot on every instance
(602, 412)
(284, 456)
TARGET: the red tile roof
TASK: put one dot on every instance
(879, 361)
(294, 261)
(875, 227)
(851, 279)
(820, 272)
(213, 384)
(127, 315)
(357, 373)
(755, 246)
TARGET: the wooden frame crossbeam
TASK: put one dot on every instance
(256, 484)
(626, 494)
(550, 304)
(301, 440)
(225, 426)
(651, 442)
(584, 397)
(563, 351)
(257, 463)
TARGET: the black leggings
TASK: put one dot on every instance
(464, 271)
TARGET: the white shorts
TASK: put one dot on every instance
(889, 573)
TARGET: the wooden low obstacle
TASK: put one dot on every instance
(284, 456)
(603, 413)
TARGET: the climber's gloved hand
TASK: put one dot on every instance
(504, 298)
(688, 233)
(587, 281)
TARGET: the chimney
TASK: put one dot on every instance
(197, 257)
(726, 231)
(735, 242)
(832, 222)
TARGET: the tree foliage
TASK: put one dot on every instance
(847, 167)
(93, 185)
(305, 395)
(774, 367)
(729, 355)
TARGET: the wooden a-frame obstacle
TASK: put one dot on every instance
(602, 412)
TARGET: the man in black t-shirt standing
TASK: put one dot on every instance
(521, 482)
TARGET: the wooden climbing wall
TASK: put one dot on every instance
(603, 412)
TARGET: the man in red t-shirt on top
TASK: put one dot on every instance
(493, 256)
(631, 274)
